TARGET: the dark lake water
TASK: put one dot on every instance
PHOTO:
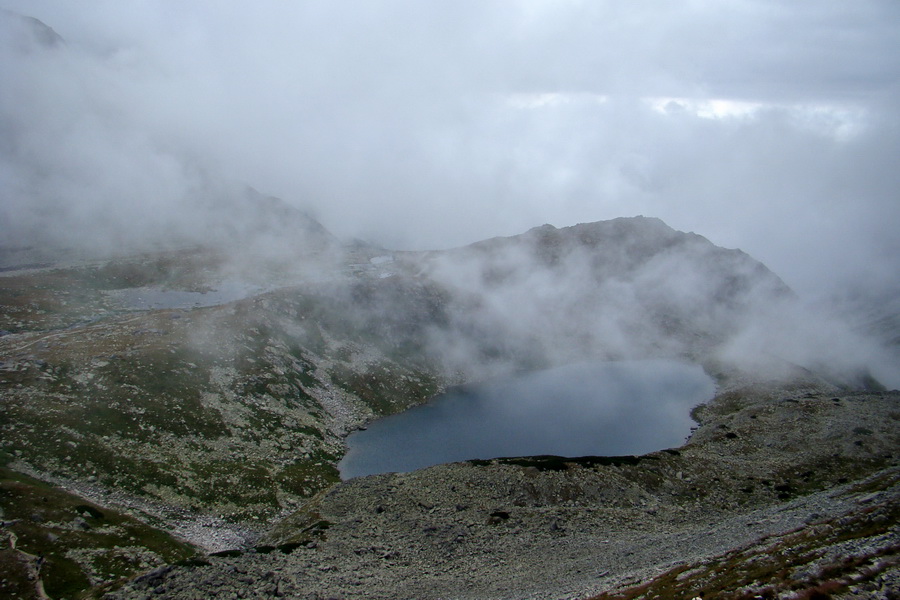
(589, 409)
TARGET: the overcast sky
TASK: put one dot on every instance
(766, 125)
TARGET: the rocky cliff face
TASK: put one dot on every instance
(209, 390)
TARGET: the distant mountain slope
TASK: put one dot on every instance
(875, 315)
(27, 33)
(629, 287)
(88, 183)
(245, 228)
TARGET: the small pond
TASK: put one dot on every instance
(588, 409)
(155, 298)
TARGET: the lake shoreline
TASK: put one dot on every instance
(573, 410)
(765, 464)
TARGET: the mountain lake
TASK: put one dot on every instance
(586, 409)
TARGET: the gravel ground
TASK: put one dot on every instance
(762, 463)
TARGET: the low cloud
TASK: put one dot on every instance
(421, 127)
(629, 289)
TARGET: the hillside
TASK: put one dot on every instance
(779, 492)
(207, 390)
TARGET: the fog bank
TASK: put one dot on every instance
(764, 127)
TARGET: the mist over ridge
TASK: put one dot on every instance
(434, 128)
(107, 177)
(635, 288)
(617, 289)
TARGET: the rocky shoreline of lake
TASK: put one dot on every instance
(764, 464)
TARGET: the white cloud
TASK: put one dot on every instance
(385, 117)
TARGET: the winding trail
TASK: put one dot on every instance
(13, 348)
(34, 567)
